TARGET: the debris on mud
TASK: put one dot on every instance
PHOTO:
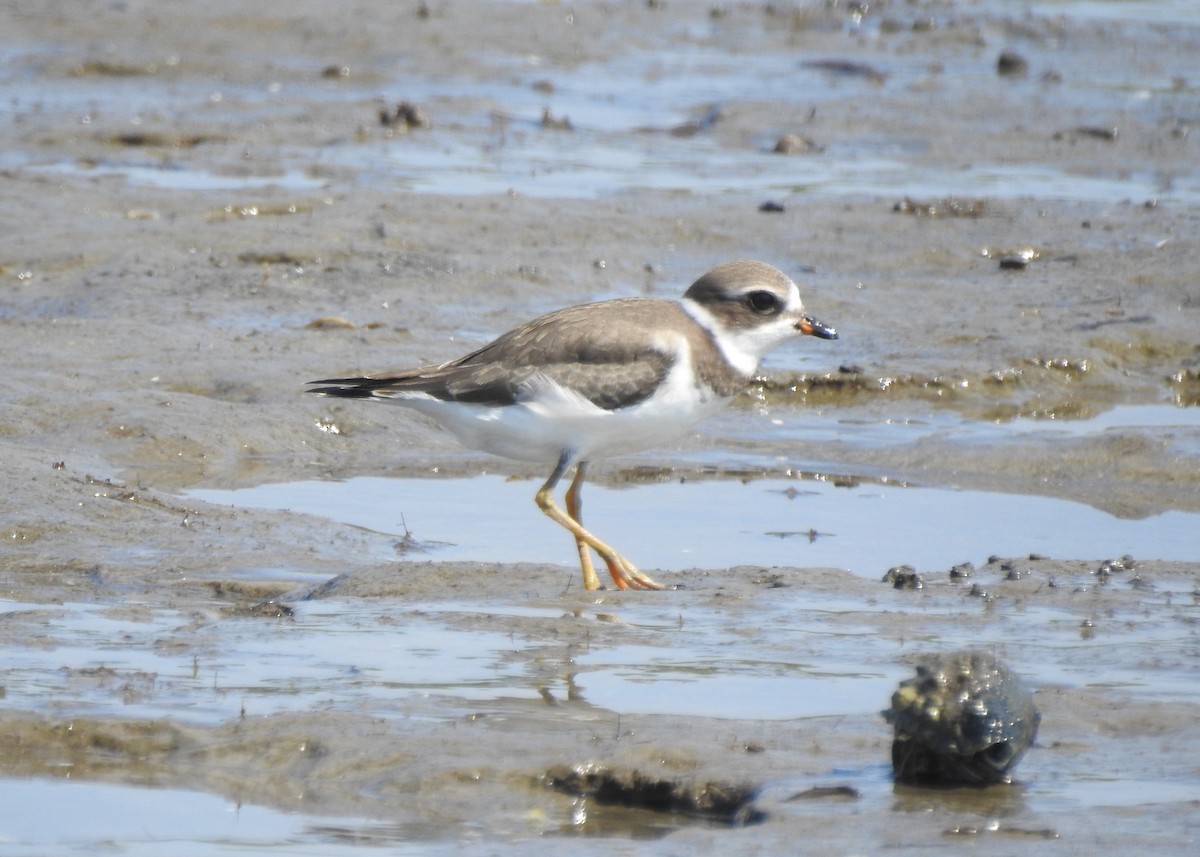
(964, 719)
(728, 803)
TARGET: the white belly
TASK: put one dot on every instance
(553, 420)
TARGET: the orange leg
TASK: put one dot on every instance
(624, 573)
(575, 512)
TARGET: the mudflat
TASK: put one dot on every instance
(207, 206)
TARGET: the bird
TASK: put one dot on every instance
(601, 379)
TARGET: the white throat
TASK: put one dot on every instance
(744, 348)
(738, 356)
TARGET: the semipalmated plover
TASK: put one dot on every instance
(603, 379)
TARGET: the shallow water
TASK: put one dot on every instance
(797, 657)
(490, 138)
(791, 663)
(1156, 11)
(592, 168)
(793, 516)
(720, 523)
(154, 821)
(347, 655)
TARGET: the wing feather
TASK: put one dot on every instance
(613, 357)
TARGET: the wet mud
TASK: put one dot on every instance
(196, 230)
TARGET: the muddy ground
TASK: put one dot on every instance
(156, 336)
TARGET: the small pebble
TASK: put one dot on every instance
(1011, 64)
(904, 577)
(794, 144)
(962, 570)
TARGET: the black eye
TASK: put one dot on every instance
(763, 303)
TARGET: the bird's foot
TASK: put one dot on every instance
(626, 575)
